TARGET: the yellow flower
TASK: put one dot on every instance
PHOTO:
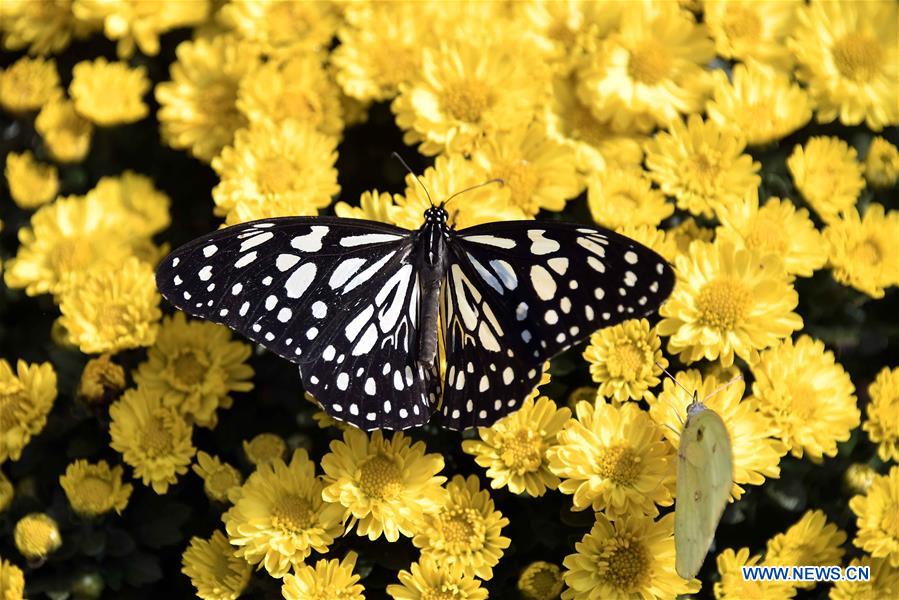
(624, 360)
(109, 93)
(219, 479)
(153, 439)
(513, 450)
(43, 26)
(279, 517)
(882, 423)
(7, 492)
(807, 396)
(748, 30)
(66, 134)
(265, 448)
(614, 459)
(12, 581)
(275, 170)
(663, 242)
(425, 580)
(733, 586)
(630, 557)
(36, 535)
(466, 530)
(827, 175)
(213, 569)
(384, 485)
(198, 107)
(540, 580)
(619, 197)
(882, 163)
(26, 398)
(195, 366)
(282, 28)
(858, 477)
(134, 201)
(761, 102)
(702, 164)
(559, 28)
(28, 84)
(849, 59)
(373, 205)
(649, 71)
(95, 489)
(884, 582)
(809, 541)
(31, 183)
(327, 579)
(876, 518)
(756, 454)
(688, 231)
(863, 250)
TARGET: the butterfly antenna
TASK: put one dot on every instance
(681, 386)
(474, 187)
(722, 387)
(412, 173)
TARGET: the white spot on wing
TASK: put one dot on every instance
(245, 260)
(255, 241)
(207, 251)
(368, 238)
(310, 242)
(491, 240)
(300, 280)
(285, 262)
(543, 282)
(541, 245)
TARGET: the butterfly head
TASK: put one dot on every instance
(436, 215)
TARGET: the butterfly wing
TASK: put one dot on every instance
(518, 293)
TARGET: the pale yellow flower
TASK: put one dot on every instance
(828, 175)
(28, 84)
(26, 397)
(95, 489)
(66, 134)
(31, 183)
(109, 93)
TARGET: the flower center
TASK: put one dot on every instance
(94, 492)
(722, 303)
(70, 255)
(155, 437)
(857, 56)
(867, 253)
(380, 478)
(11, 395)
(521, 177)
(221, 481)
(447, 591)
(544, 583)
(292, 514)
(890, 521)
(803, 401)
(466, 101)
(626, 362)
(766, 235)
(702, 172)
(623, 563)
(619, 464)
(522, 451)
(463, 530)
(741, 24)
(278, 176)
(189, 370)
(649, 63)
(265, 448)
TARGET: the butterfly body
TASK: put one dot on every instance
(434, 261)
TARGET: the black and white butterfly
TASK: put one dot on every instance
(357, 304)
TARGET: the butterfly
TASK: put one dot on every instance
(362, 307)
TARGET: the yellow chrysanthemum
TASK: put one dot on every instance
(279, 517)
(863, 250)
(876, 518)
(748, 30)
(465, 531)
(282, 28)
(26, 397)
(827, 175)
(807, 396)
(631, 557)
(624, 360)
(756, 453)
(540, 580)
(858, 477)
(702, 164)
(43, 26)
(134, 203)
(659, 240)
(688, 231)
(614, 459)
(66, 134)
(733, 586)
(195, 366)
(283, 169)
(513, 450)
(884, 582)
(31, 183)
(213, 569)
(373, 205)
(849, 59)
(727, 300)
(425, 580)
(7, 492)
(882, 423)
(36, 535)
(809, 541)
(153, 439)
(95, 489)
(12, 581)
(759, 101)
(219, 479)
(28, 84)
(558, 29)
(385, 486)
(619, 197)
(198, 107)
(327, 579)
(882, 163)
(109, 93)
(265, 448)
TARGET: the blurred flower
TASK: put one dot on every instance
(194, 366)
(265, 448)
(43, 26)
(884, 582)
(373, 205)
(101, 381)
(858, 477)
(198, 107)
(827, 174)
(282, 28)
(31, 183)
(752, 30)
(12, 580)
(26, 398)
(876, 513)
(95, 489)
(625, 196)
(66, 134)
(384, 485)
(882, 163)
(882, 423)
(275, 170)
(624, 359)
(6, 492)
(614, 459)
(863, 250)
(808, 397)
(558, 28)
(279, 516)
(109, 93)
(540, 580)
(809, 541)
(153, 439)
(688, 231)
(659, 240)
(36, 535)
(630, 557)
(513, 450)
(762, 103)
(327, 579)
(849, 59)
(425, 580)
(756, 453)
(213, 569)
(28, 84)
(321, 418)
(133, 200)
(733, 586)
(466, 531)
(219, 478)
(702, 164)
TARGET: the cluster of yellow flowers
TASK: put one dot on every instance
(654, 110)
